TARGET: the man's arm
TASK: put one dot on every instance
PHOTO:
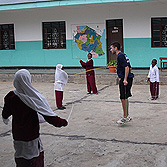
(126, 75)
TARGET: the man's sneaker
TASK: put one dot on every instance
(128, 119)
(121, 121)
(124, 120)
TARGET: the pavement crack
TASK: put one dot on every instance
(114, 101)
(8, 133)
(77, 137)
(105, 87)
(82, 137)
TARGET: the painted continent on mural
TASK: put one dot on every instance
(88, 40)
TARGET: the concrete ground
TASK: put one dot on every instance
(92, 138)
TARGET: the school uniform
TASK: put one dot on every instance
(90, 76)
(61, 78)
(28, 108)
(154, 81)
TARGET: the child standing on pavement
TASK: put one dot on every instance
(61, 78)
(90, 74)
(153, 78)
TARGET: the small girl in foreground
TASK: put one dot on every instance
(28, 108)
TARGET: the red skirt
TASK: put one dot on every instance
(91, 84)
(34, 162)
(59, 98)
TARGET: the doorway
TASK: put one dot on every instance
(114, 33)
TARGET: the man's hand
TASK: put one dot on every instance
(125, 82)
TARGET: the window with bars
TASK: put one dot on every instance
(54, 35)
(159, 32)
(7, 41)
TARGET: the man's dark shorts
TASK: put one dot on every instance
(128, 88)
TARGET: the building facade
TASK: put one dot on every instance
(43, 34)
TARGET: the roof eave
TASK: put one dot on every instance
(58, 3)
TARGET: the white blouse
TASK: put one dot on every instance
(59, 86)
(28, 150)
(153, 74)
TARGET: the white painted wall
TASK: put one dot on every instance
(136, 18)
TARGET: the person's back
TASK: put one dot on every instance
(61, 78)
(28, 107)
(25, 123)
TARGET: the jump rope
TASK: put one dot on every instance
(70, 112)
(87, 71)
(79, 74)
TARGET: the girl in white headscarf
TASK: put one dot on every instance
(61, 79)
(27, 107)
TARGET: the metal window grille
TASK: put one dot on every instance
(54, 35)
(7, 41)
(159, 32)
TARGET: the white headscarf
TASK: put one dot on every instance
(29, 95)
(60, 75)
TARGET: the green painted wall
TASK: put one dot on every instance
(140, 52)
(31, 53)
